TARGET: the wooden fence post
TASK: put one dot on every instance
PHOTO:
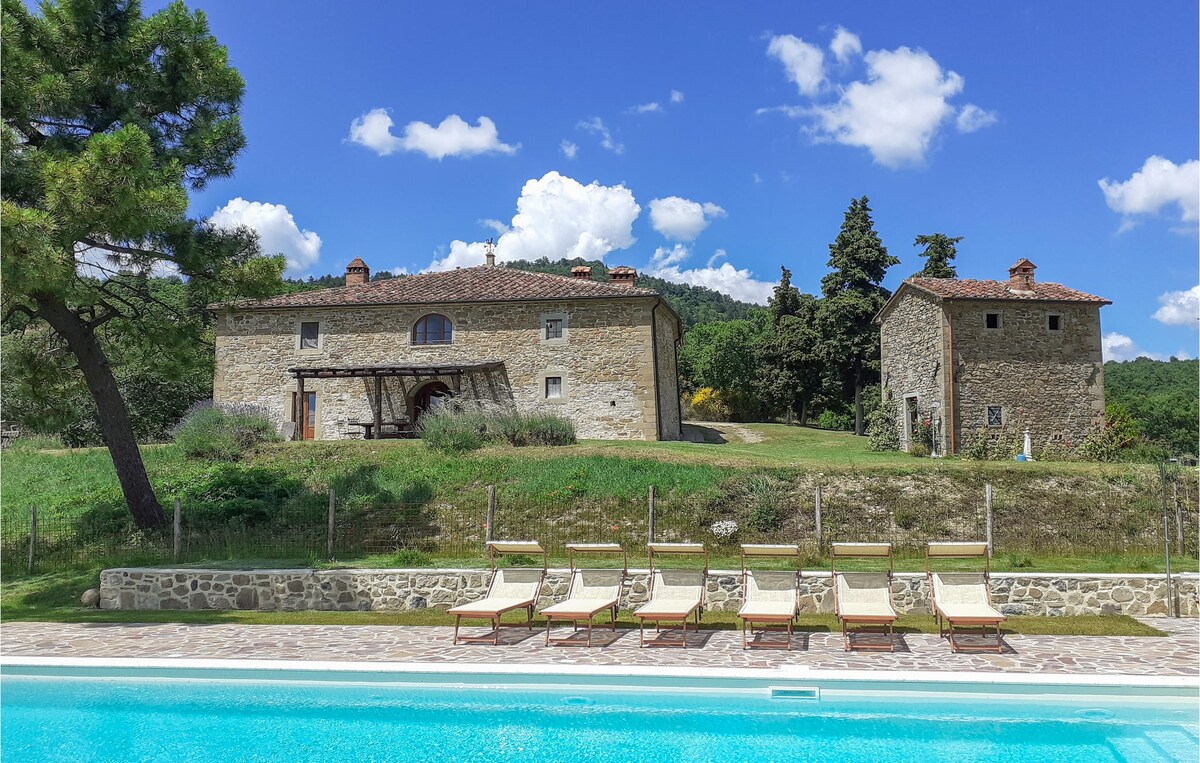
(987, 514)
(329, 536)
(491, 512)
(817, 519)
(650, 525)
(175, 528)
(32, 534)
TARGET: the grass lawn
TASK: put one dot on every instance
(54, 598)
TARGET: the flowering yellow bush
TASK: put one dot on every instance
(710, 405)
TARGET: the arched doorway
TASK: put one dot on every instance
(429, 396)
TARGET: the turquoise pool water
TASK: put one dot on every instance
(119, 719)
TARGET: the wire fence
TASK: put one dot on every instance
(1044, 519)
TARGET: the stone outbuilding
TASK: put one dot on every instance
(974, 358)
(369, 358)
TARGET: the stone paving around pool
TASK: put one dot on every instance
(1175, 655)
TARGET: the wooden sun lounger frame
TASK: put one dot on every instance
(496, 549)
(768, 623)
(576, 618)
(967, 550)
(867, 623)
(662, 549)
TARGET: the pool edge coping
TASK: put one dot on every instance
(788, 673)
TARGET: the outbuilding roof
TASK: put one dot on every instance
(969, 288)
(476, 284)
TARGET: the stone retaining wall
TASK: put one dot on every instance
(363, 590)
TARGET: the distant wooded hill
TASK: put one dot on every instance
(695, 304)
(1163, 396)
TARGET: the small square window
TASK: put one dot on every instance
(310, 332)
(995, 416)
(553, 387)
(554, 328)
(992, 320)
(1054, 322)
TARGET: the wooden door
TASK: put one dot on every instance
(306, 413)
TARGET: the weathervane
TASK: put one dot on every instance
(489, 247)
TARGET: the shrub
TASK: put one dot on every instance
(836, 420)
(882, 433)
(709, 404)
(766, 498)
(454, 430)
(724, 529)
(223, 433)
(918, 450)
(547, 429)
(410, 558)
(906, 518)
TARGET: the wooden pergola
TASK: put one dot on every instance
(455, 371)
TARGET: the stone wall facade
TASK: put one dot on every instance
(940, 355)
(910, 344)
(399, 590)
(611, 385)
(1049, 381)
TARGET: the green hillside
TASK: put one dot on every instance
(1163, 396)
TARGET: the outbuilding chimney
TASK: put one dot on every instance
(357, 272)
(489, 253)
(623, 276)
(1020, 275)
(581, 271)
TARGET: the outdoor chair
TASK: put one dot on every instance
(863, 599)
(675, 595)
(962, 600)
(509, 589)
(591, 592)
(770, 597)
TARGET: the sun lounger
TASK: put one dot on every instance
(675, 595)
(509, 589)
(863, 599)
(590, 593)
(962, 599)
(770, 597)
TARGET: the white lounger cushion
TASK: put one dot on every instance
(770, 593)
(590, 591)
(674, 592)
(510, 589)
(864, 594)
(963, 596)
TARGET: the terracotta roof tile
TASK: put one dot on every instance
(966, 288)
(476, 284)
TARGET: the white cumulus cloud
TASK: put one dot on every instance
(1179, 308)
(1159, 183)
(845, 44)
(896, 112)
(556, 217)
(682, 219)
(804, 63)
(737, 283)
(647, 108)
(1120, 348)
(277, 232)
(596, 126)
(971, 118)
(452, 137)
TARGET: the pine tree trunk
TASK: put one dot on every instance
(790, 415)
(859, 428)
(110, 409)
(804, 412)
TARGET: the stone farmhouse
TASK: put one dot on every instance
(982, 358)
(369, 358)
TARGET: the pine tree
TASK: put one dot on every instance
(109, 119)
(786, 299)
(853, 295)
(940, 249)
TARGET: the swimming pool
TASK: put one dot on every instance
(96, 714)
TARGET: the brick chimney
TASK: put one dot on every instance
(623, 276)
(357, 272)
(1020, 275)
(489, 253)
(581, 271)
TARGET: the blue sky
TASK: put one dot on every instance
(993, 122)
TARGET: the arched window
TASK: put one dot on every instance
(432, 329)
